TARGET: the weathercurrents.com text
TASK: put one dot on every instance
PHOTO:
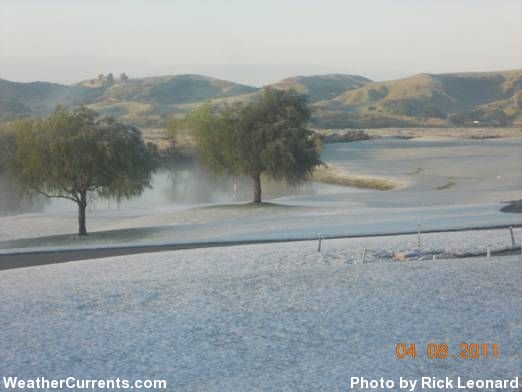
(72, 383)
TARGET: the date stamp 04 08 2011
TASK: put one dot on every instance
(441, 351)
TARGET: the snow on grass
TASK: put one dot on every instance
(343, 251)
(229, 223)
(259, 317)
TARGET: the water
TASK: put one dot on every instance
(183, 186)
(480, 169)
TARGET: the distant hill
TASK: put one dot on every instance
(321, 87)
(143, 101)
(148, 101)
(427, 99)
(338, 101)
(30, 99)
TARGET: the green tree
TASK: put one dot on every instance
(74, 154)
(267, 136)
(7, 145)
(109, 79)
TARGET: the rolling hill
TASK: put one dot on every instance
(338, 101)
(30, 99)
(142, 101)
(321, 87)
(427, 99)
(150, 101)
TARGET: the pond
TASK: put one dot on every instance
(462, 168)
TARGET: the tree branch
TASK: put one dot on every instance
(58, 196)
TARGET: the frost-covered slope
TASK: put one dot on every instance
(265, 317)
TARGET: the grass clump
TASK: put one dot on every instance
(451, 182)
(332, 175)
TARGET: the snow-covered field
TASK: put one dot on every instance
(261, 317)
(251, 223)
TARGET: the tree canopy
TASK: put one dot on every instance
(73, 153)
(267, 136)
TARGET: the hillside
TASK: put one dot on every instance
(427, 99)
(338, 101)
(149, 101)
(321, 87)
(29, 99)
(142, 101)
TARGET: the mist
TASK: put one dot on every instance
(186, 184)
(13, 202)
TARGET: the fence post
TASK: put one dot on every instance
(419, 236)
(488, 252)
(512, 235)
(363, 257)
(319, 243)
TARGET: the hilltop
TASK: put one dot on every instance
(322, 87)
(338, 100)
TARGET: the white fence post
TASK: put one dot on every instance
(512, 235)
(488, 252)
(363, 257)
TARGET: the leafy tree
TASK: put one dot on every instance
(74, 154)
(434, 112)
(123, 77)
(109, 79)
(267, 136)
(7, 145)
(495, 118)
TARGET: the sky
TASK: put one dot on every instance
(256, 41)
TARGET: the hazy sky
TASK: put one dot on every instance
(256, 41)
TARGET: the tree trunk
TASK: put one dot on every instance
(82, 206)
(256, 177)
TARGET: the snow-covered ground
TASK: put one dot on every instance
(378, 248)
(261, 317)
(250, 223)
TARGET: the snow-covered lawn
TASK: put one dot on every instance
(259, 317)
(243, 223)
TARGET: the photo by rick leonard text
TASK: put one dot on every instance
(434, 383)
